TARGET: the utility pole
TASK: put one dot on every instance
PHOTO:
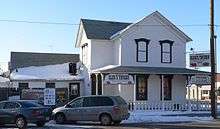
(212, 52)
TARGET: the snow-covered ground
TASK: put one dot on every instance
(140, 116)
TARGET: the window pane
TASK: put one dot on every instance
(142, 46)
(166, 57)
(167, 88)
(166, 47)
(50, 85)
(77, 103)
(141, 89)
(142, 56)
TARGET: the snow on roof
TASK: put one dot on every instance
(2, 79)
(48, 72)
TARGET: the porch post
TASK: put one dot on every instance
(197, 97)
(162, 90)
(189, 101)
(102, 80)
(135, 85)
(97, 81)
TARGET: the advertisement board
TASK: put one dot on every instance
(201, 80)
(49, 96)
(200, 60)
(118, 79)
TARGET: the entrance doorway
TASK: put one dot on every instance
(74, 90)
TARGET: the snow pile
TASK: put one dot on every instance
(139, 117)
(49, 72)
(2, 79)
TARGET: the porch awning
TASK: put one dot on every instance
(149, 70)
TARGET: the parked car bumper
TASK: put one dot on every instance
(121, 117)
(39, 119)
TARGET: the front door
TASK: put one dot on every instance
(74, 90)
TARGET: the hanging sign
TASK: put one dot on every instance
(49, 96)
(201, 80)
(118, 79)
(200, 60)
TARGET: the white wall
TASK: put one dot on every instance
(154, 88)
(102, 53)
(179, 88)
(154, 34)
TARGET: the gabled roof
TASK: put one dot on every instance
(107, 30)
(97, 29)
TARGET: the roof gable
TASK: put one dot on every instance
(161, 19)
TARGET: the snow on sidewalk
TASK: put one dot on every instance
(144, 116)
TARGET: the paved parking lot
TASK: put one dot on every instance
(189, 125)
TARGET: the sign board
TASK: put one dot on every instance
(118, 79)
(201, 80)
(49, 96)
(200, 60)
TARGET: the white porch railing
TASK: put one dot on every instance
(170, 106)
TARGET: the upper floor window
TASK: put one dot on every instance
(166, 51)
(84, 53)
(142, 49)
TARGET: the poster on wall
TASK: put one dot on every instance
(200, 60)
(118, 79)
(201, 80)
(49, 96)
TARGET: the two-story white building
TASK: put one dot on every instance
(144, 62)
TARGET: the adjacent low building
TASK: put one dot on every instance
(37, 71)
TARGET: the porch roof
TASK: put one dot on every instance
(149, 70)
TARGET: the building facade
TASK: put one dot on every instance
(142, 62)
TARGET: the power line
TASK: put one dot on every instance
(38, 22)
(76, 24)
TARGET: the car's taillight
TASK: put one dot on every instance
(116, 109)
(36, 113)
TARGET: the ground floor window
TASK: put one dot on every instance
(141, 87)
(22, 86)
(167, 86)
(74, 90)
(50, 85)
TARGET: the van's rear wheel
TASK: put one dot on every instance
(60, 118)
(105, 119)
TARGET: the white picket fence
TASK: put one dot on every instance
(170, 106)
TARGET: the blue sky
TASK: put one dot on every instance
(61, 38)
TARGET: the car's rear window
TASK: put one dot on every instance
(120, 100)
(28, 104)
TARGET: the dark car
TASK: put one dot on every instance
(106, 109)
(21, 112)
